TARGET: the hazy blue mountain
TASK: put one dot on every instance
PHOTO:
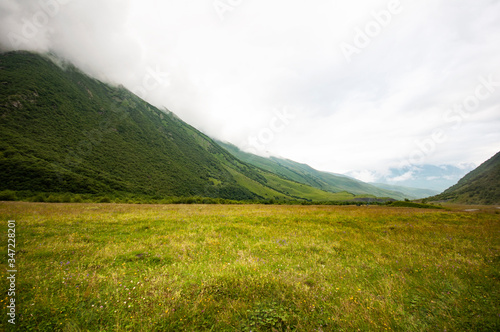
(432, 177)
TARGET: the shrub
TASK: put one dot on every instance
(104, 200)
(8, 195)
(39, 198)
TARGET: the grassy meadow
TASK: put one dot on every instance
(112, 267)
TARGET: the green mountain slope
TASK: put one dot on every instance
(481, 186)
(305, 174)
(64, 132)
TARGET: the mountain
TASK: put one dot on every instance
(411, 193)
(305, 174)
(64, 132)
(432, 177)
(481, 186)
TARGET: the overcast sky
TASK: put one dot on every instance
(344, 86)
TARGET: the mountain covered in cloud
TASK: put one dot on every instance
(432, 177)
(225, 74)
(63, 132)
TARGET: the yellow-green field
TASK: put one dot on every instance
(106, 267)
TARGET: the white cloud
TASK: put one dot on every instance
(365, 176)
(406, 176)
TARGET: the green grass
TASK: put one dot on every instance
(110, 267)
(413, 205)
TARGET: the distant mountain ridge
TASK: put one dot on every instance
(480, 186)
(305, 174)
(413, 193)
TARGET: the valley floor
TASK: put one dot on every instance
(111, 267)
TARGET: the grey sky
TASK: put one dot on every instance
(355, 86)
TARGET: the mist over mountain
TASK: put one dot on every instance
(227, 74)
(65, 132)
(431, 177)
